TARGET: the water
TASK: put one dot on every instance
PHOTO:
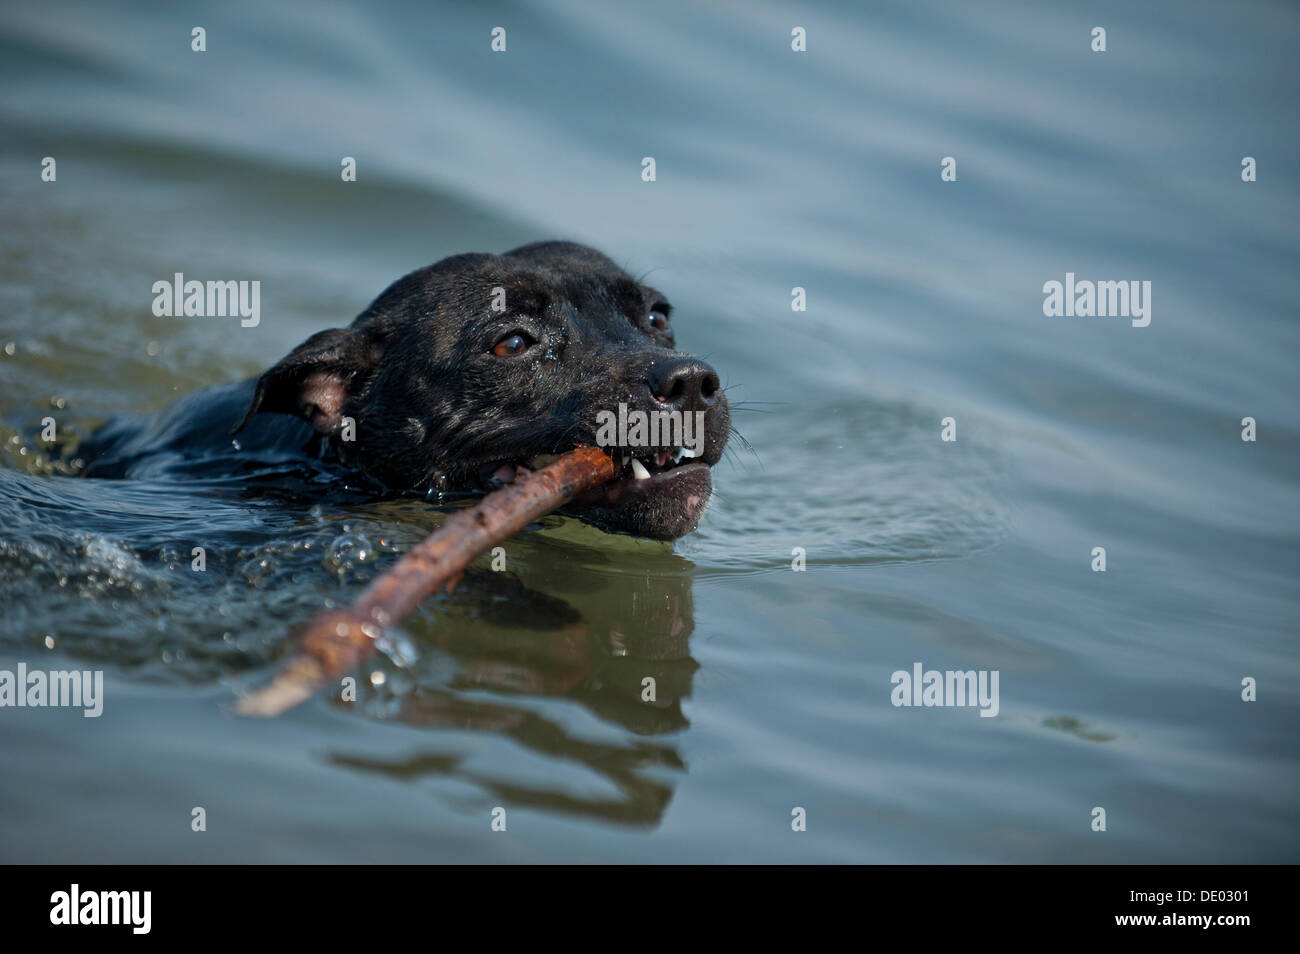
(774, 169)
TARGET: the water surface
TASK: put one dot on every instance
(774, 170)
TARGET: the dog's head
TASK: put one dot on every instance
(462, 370)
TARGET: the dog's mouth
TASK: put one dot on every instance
(655, 493)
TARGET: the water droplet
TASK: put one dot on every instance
(347, 553)
(258, 570)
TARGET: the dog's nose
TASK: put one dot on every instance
(687, 383)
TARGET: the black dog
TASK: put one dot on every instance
(436, 386)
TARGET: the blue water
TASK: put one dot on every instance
(775, 169)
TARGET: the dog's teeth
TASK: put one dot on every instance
(639, 471)
(677, 457)
(687, 452)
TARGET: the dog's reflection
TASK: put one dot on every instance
(619, 645)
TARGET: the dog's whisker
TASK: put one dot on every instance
(741, 437)
(746, 445)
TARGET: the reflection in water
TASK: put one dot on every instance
(626, 660)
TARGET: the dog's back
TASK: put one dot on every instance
(192, 437)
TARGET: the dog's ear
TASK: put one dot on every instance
(316, 378)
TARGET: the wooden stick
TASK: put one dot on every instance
(336, 642)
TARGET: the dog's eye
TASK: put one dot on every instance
(659, 320)
(512, 344)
